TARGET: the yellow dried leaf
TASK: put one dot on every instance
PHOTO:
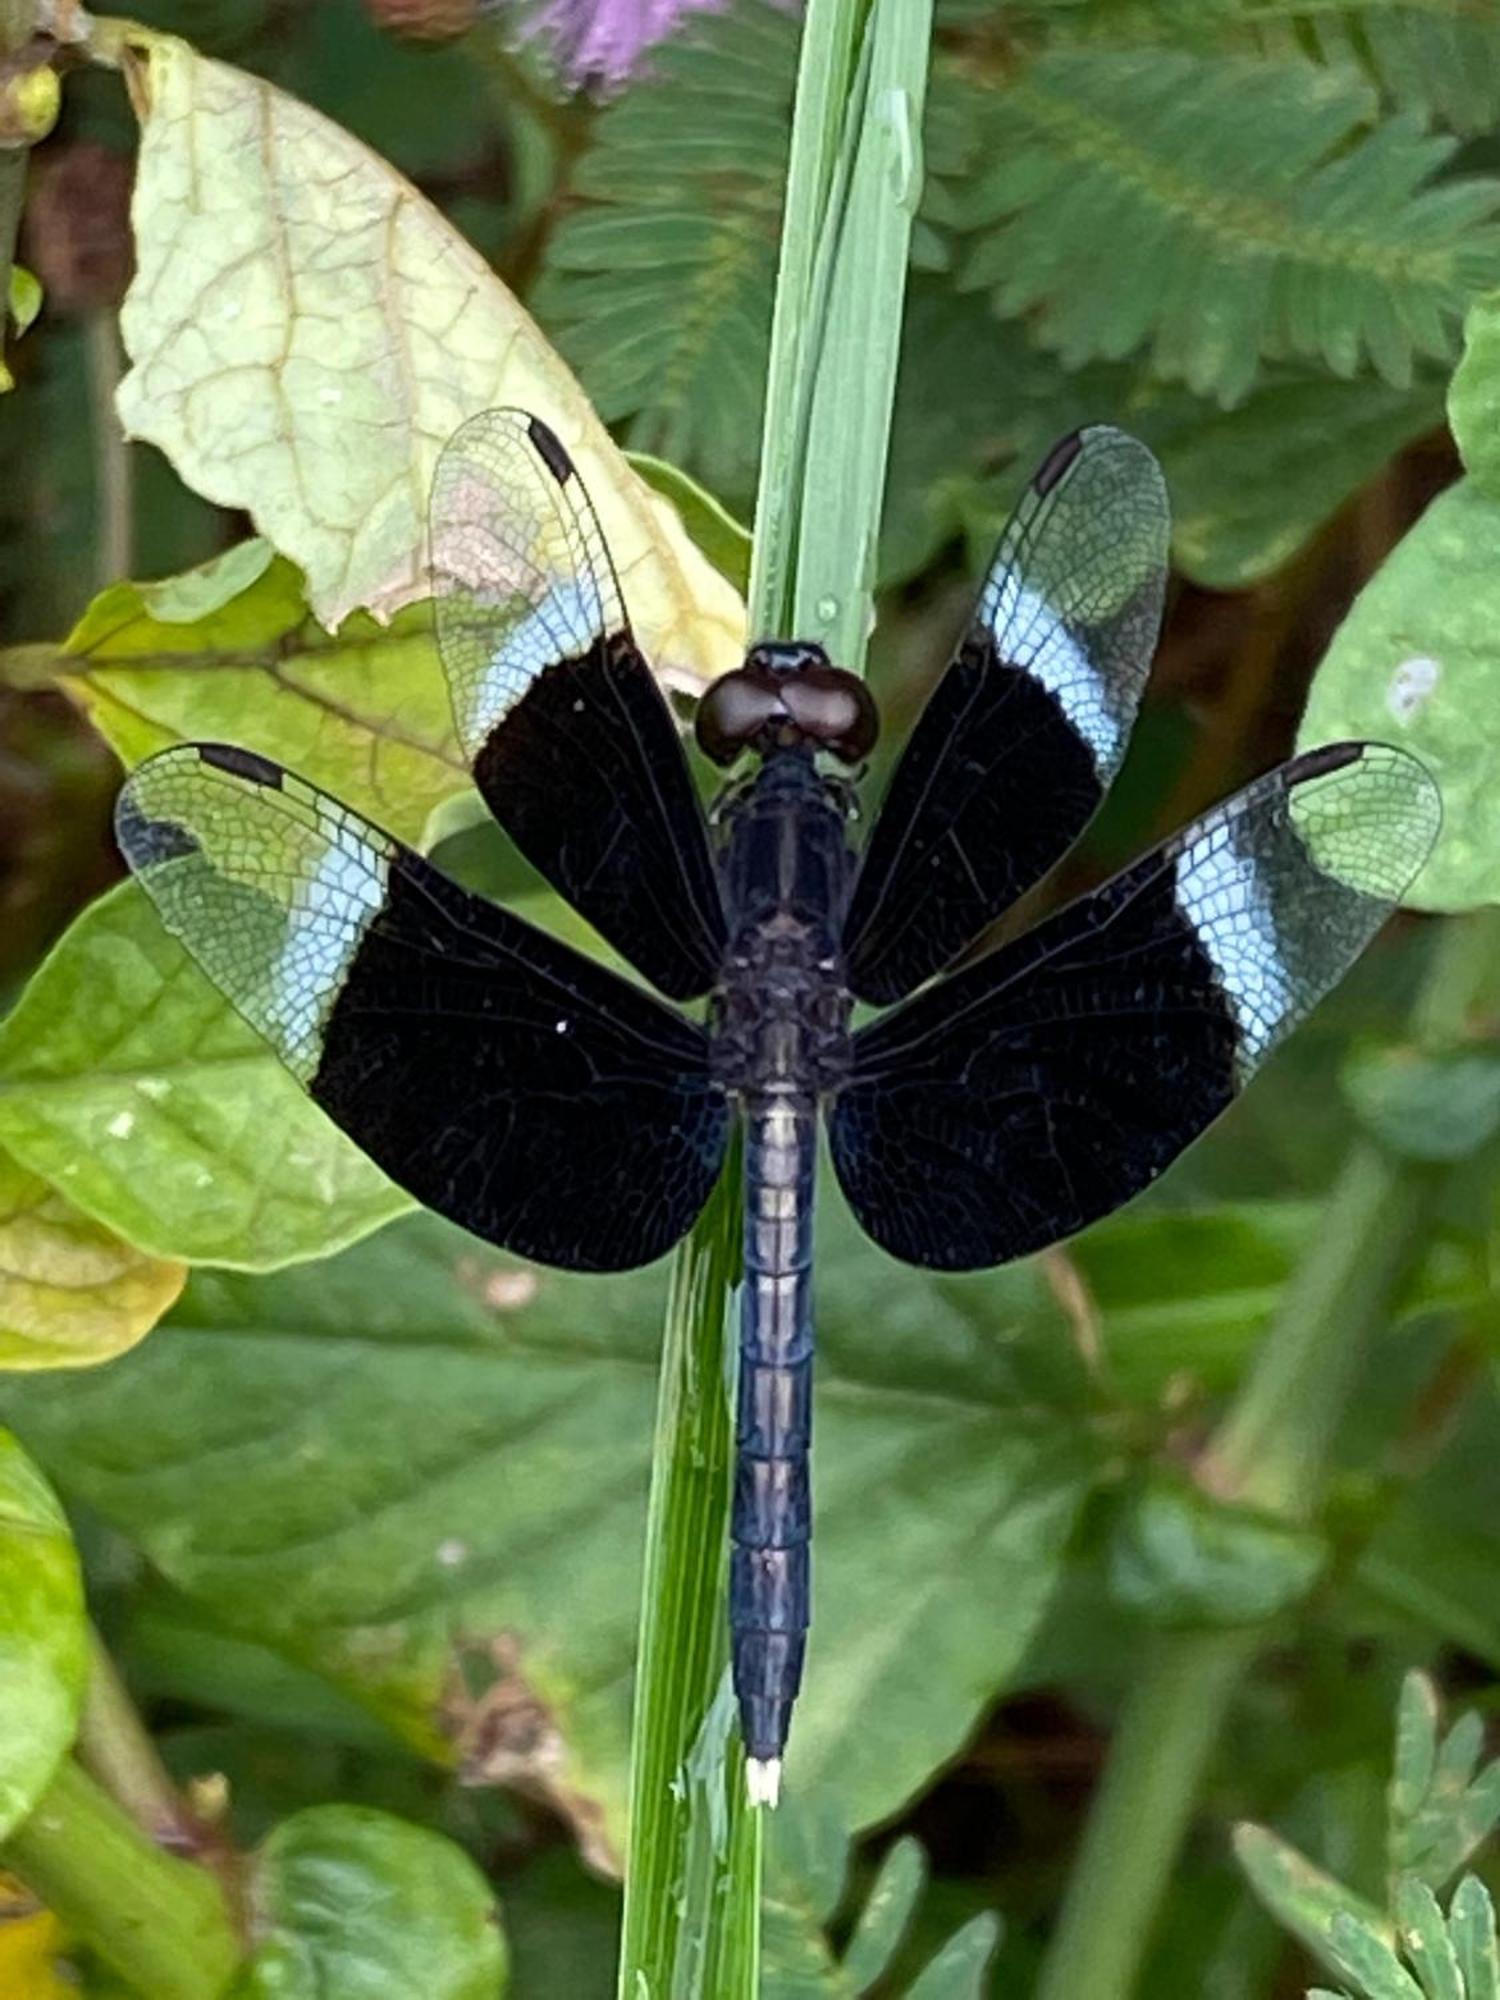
(306, 331)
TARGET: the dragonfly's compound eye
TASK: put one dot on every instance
(787, 694)
(735, 712)
(834, 709)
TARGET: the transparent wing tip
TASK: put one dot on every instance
(763, 1780)
(1368, 815)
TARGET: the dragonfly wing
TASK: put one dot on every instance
(1041, 1087)
(571, 741)
(497, 1075)
(1025, 731)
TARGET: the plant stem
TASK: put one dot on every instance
(114, 499)
(115, 1747)
(161, 1923)
(1270, 1452)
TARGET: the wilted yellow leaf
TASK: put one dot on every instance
(306, 332)
(30, 1945)
(71, 1292)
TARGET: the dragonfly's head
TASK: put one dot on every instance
(788, 692)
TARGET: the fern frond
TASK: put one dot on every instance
(1215, 211)
(1440, 58)
(658, 283)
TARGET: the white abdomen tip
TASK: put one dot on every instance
(763, 1780)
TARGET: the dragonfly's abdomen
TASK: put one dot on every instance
(779, 1035)
(772, 1518)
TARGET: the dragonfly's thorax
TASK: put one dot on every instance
(780, 1012)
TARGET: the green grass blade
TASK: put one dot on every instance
(854, 384)
(692, 1900)
(694, 1844)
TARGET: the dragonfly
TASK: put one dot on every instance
(994, 1102)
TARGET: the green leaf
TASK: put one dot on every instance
(1471, 1925)
(129, 1083)
(354, 1903)
(71, 1293)
(1301, 1896)
(854, 344)
(806, 1866)
(1177, 1558)
(659, 280)
(723, 539)
(1416, 1747)
(887, 1912)
(364, 712)
(958, 1970)
(1425, 1940)
(375, 1462)
(306, 332)
(25, 297)
(978, 405)
(1427, 1107)
(1434, 1831)
(43, 1636)
(1360, 1953)
(1437, 57)
(1225, 210)
(1417, 662)
(197, 593)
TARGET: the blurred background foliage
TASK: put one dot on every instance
(1248, 231)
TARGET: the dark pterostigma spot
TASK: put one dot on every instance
(242, 763)
(146, 842)
(550, 447)
(1057, 461)
(1328, 757)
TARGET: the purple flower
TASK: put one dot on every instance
(598, 43)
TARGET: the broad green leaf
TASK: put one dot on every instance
(376, 1464)
(1179, 1559)
(1474, 395)
(43, 1636)
(71, 1293)
(350, 1904)
(1302, 1898)
(305, 331)
(364, 712)
(1417, 662)
(131, 1085)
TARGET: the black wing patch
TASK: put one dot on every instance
(573, 746)
(1024, 733)
(494, 1073)
(1041, 1087)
